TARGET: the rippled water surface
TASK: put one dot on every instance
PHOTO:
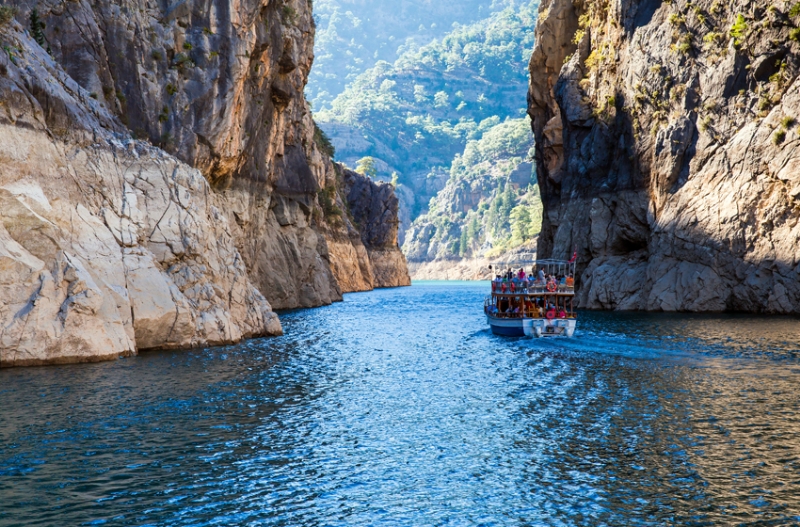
(399, 408)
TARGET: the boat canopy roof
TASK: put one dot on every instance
(526, 260)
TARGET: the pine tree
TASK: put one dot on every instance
(462, 250)
(37, 30)
(520, 225)
(366, 167)
(473, 229)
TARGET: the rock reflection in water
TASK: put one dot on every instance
(398, 407)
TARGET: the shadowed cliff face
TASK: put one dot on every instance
(666, 152)
(374, 208)
(110, 244)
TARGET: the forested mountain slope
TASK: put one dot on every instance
(353, 35)
(414, 116)
(489, 205)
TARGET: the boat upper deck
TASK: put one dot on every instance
(533, 288)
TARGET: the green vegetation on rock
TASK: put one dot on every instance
(415, 117)
(366, 167)
(6, 14)
(489, 205)
(353, 36)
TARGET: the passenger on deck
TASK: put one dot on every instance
(540, 276)
(570, 281)
(522, 281)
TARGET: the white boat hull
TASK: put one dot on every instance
(532, 327)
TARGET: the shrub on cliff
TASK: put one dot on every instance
(327, 200)
(366, 167)
(739, 30)
(323, 142)
(6, 14)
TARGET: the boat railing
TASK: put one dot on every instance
(568, 315)
(531, 288)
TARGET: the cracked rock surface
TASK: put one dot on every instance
(107, 246)
(667, 151)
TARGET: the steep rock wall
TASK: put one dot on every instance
(667, 151)
(111, 244)
(107, 245)
(374, 208)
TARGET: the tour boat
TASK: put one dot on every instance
(530, 306)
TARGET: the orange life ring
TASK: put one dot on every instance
(551, 314)
(551, 286)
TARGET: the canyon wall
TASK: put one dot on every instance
(374, 208)
(667, 151)
(162, 181)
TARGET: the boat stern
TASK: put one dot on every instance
(542, 327)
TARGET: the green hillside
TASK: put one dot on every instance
(432, 100)
(489, 205)
(425, 118)
(353, 35)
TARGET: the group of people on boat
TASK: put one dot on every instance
(533, 307)
(520, 282)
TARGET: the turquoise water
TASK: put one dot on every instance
(399, 408)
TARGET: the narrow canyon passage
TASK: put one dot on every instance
(398, 407)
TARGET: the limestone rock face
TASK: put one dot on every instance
(110, 245)
(666, 152)
(374, 207)
(107, 246)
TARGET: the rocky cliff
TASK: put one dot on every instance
(163, 183)
(374, 208)
(667, 151)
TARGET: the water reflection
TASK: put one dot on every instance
(399, 408)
